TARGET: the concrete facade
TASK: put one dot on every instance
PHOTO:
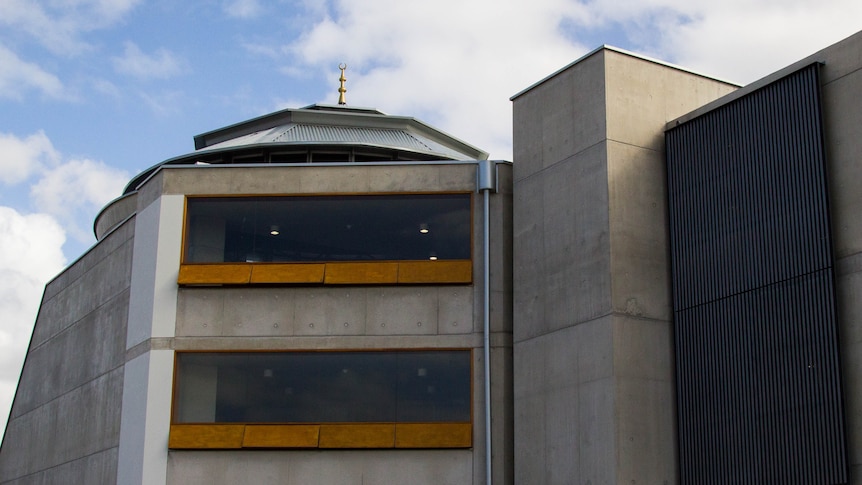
(581, 342)
(64, 426)
(594, 378)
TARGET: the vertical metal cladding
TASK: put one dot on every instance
(758, 378)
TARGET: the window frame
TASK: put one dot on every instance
(321, 435)
(378, 272)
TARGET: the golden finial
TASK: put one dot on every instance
(342, 89)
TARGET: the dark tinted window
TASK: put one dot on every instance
(331, 228)
(323, 387)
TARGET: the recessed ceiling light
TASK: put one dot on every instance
(273, 230)
(423, 228)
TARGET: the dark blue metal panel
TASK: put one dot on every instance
(758, 376)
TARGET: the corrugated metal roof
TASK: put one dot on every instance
(321, 134)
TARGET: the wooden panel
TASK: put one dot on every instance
(281, 436)
(434, 435)
(357, 435)
(288, 273)
(206, 436)
(460, 271)
(207, 274)
(361, 273)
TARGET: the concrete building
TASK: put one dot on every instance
(669, 296)
(683, 312)
(313, 280)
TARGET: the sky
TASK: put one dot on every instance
(94, 91)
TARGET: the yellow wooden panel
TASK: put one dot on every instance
(357, 435)
(306, 273)
(281, 436)
(206, 436)
(460, 271)
(434, 435)
(207, 274)
(371, 273)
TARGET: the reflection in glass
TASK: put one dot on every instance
(323, 387)
(331, 228)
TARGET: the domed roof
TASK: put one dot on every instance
(319, 128)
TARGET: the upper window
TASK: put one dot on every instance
(330, 228)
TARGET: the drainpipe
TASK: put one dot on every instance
(487, 182)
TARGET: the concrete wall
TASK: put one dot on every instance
(842, 92)
(351, 317)
(593, 368)
(65, 421)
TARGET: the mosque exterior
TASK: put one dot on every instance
(661, 288)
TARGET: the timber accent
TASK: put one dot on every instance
(331, 273)
(330, 436)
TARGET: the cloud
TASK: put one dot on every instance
(436, 61)
(21, 158)
(18, 76)
(57, 25)
(75, 191)
(160, 65)
(443, 62)
(30, 255)
(242, 8)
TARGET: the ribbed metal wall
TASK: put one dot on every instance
(758, 375)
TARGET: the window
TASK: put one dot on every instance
(379, 399)
(233, 234)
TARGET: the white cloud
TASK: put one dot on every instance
(740, 40)
(439, 61)
(160, 65)
(243, 8)
(57, 25)
(30, 255)
(75, 191)
(21, 158)
(443, 62)
(18, 76)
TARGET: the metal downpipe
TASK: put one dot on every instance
(486, 183)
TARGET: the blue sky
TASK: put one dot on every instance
(94, 91)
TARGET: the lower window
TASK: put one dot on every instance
(368, 399)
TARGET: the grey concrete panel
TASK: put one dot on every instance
(561, 117)
(200, 311)
(402, 311)
(642, 96)
(595, 349)
(529, 368)
(455, 310)
(530, 433)
(341, 179)
(420, 178)
(646, 431)
(528, 261)
(562, 428)
(214, 180)
(325, 311)
(848, 284)
(91, 347)
(842, 122)
(638, 226)
(502, 415)
(596, 446)
(92, 257)
(98, 468)
(643, 349)
(577, 247)
(841, 59)
(258, 311)
(79, 423)
(101, 282)
(357, 467)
